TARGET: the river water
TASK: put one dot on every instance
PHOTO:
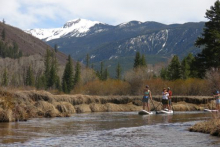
(112, 129)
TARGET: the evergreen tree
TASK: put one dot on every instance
(47, 64)
(3, 21)
(58, 85)
(210, 42)
(100, 74)
(40, 82)
(101, 70)
(164, 73)
(87, 60)
(143, 61)
(29, 77)
(53, 77)
(5, 78)
(68, 78)
(56, 48)
(105, 74)
(77, 73)
(118, 72)
(174, 69)
(186, 66)
(137, 60)
(3, 35)
(64, 87)
(15, 52)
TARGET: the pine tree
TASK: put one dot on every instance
(164, 73)
(40, 82)
(137, 60)
(174, 69)
(29, 77)
(143, 61)
(53, 71)
(68, 78)
(77, 73)
(56, 48)
(3, 35)
(58, 85)
(102, 70)
(5, 78)
(186, 66)
(210, 42)
(3, 21)
(118, 72)
(15, 50)
(47, 64)
(105, 74)
(87, 60)
(100, 74)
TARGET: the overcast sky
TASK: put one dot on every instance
(27, 14)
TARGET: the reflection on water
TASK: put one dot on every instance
(108, 129)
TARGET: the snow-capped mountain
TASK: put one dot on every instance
(112, 44)
(72, 28)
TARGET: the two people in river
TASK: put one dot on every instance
(166, 98)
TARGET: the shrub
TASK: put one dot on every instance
(108, 87)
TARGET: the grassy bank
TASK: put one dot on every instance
(21, 105)
(210, 126)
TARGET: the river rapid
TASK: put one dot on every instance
(110, 129)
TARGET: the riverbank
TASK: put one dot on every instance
(22, 105)
(211, 127)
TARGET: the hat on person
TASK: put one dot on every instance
(147, 86)
(216, 92)
(168, 87)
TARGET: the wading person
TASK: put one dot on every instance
(146, 97)
(165, 95)
(169, 98)
(217, 98)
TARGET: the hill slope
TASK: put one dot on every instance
(28, 44)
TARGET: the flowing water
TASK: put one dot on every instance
(112, 129)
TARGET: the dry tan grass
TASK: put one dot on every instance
(32, 103)
(46, 109)
(211, 126)
(5, 115)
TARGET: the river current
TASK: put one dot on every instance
(109, 129)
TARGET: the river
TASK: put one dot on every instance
(114, 129)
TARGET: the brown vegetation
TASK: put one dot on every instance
(211, 127)
(135, 84)
(21, 105)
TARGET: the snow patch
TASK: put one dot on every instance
(92, 56)
(165, 37)
(115, 57)
(76, 27)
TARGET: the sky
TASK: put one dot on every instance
(29, 14)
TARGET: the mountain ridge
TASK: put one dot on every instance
(108, 43)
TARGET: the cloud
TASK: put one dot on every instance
(54, 13)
